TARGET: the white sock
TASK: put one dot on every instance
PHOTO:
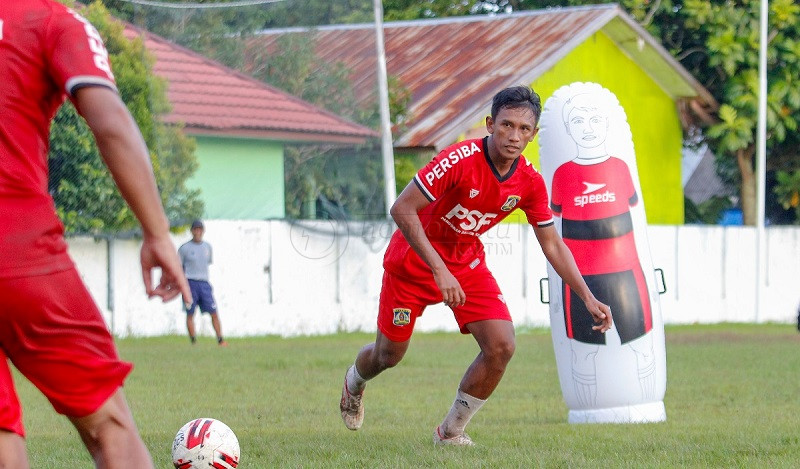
(355, 383)
(464, 407)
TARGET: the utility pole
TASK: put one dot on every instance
(386, 125)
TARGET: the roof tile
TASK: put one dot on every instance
(452, 66)
(206, 95)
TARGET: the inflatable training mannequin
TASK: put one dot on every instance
(589, 166)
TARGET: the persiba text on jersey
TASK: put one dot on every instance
(95, 45)
(464, 151)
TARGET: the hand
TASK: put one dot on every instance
(452, 294)
(159, 252)
(601, 313)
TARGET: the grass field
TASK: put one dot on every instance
(733, 400)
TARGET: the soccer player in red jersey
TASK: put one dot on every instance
(436, 256)
(50, 327)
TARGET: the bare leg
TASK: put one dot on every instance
(217, 325)
(380, 355)
(12, 451)
(371, 360)
(190, 326)
(496, 340)
(111, 436)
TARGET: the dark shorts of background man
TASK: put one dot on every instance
(203, 296)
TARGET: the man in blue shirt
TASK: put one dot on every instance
(196, 256)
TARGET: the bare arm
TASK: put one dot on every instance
(405, 214)
(560, 257)
(125, 153)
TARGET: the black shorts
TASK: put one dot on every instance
(625, 292)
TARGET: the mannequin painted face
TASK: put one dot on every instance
(587, 126)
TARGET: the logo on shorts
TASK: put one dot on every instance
(511, 202)
(500, 297)
(402, 316)
(473, 193)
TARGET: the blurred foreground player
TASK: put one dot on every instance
(436, 256)
(50, 328)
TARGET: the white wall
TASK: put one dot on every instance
(282, 278)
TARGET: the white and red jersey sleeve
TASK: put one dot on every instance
(536, 205)
(76, 53)
(557, 197)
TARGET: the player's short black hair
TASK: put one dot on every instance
(517, 97)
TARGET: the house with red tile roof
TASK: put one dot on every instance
(241, 126)
(453, 66)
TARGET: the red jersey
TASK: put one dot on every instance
(594, 203)
(47, 51)
(468, 197)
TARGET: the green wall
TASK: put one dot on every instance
(240, 179)
(652, 115)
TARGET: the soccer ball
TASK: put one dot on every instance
(205, 442)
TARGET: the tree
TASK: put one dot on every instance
(214, 31)
(419, 9)
(319, 12)
(217, 33)
(310, 171)
(352, 177)
(397, 10)
(86, 198)
(717, 41)
(295, 69)
(788, 191)
(727, 34)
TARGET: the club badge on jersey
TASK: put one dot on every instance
(510, 203)
(402, 316)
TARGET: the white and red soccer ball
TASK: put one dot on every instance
(203, 443)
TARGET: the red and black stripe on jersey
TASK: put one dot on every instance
(594, 201)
